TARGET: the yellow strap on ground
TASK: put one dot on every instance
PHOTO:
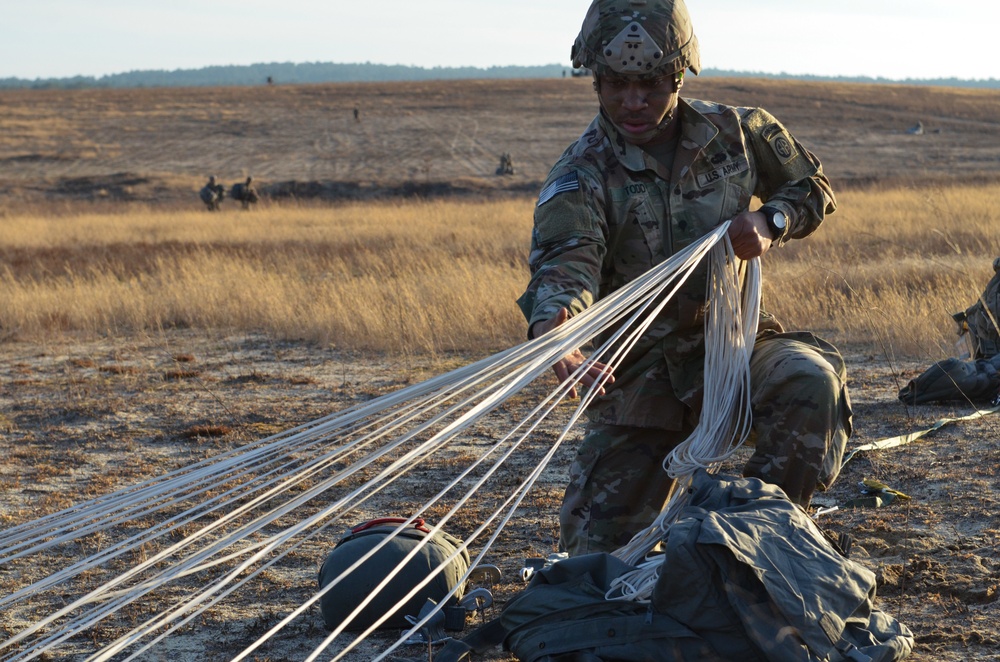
(904, 439)
(878, 486)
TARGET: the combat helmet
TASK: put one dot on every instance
(643, 38)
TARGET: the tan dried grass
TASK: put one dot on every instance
(887, 269)
(426, 276)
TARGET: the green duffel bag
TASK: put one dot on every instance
(339, 602)
(953, 379)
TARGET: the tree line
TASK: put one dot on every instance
(331, 72)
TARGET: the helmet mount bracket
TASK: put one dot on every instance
(633, 51)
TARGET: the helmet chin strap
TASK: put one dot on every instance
(662, 126)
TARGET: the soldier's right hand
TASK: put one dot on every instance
(571, 362)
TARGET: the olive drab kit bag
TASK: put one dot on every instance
(339, 602)
(975, 381)
(747, 577)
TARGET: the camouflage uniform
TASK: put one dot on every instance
(607, 213)
(979, 320)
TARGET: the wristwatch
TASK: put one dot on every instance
(777, 222)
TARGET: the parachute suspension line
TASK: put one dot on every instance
(179, 570)
(690, 259)
(639, 322)
(724, 423)
(388, 472)
(542, 410)
(233, 499)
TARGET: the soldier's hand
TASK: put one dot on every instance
(569, 363)
(749, 235)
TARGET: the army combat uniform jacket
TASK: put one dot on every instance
(609, 211)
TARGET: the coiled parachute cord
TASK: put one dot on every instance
(724, 424)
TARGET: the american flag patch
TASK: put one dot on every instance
(565, 183)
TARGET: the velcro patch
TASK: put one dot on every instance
(564, 184)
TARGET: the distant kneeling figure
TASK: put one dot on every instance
(245, 193)
(506, 166)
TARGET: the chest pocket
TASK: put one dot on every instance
(710, 195)
(739, 187)
(737, 199)
(636, 235)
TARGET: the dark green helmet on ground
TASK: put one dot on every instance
(637, 38)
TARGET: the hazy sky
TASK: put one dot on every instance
(887, 38)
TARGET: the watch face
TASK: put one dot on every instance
(776, 222)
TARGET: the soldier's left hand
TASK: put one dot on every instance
(749, 235)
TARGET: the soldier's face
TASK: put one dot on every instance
(638, 107)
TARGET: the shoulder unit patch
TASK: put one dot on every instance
(780, 143)
(569, 182)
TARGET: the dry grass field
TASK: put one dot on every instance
(138, 333)
(159, 145)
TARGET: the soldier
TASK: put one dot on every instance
(212, 194)
(506, 166)
(245, 193)
(651, 174)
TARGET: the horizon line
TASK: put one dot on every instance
(707, 71)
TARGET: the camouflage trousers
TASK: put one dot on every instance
(801, 424)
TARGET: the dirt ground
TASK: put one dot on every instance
(86, 417)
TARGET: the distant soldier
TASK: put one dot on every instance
(212, 194)
(245, 193)
(356, 115)
(506, 166)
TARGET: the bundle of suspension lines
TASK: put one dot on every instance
(235, 515)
